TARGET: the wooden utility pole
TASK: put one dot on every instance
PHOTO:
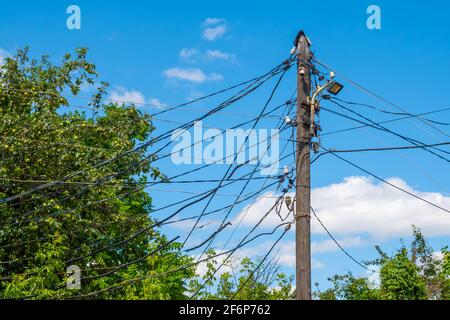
(303, 181)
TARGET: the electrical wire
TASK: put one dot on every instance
(388, 112)
(260, 263)
(337, 242)
(384, 129)
(240, 95)
(386, 182)
(383, 122)
(371, 93)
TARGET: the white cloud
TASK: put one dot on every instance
(374, 277)
(438, 255)
(188, 53)
(3, 55)
(218, 55)
(214, 28)
(316, 264)
(286, 256)
(193, 55)
(215, 76)
(192, 75)
(286, 251)
(229, 265)
(360, 205)
(214, 33)
(122, 95)
(157, 103)
(213, 21)
(329, 245)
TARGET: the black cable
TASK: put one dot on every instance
(283, 177)
(125, 265)
(109, 177)
(142, 278)
(383, 122)
(367, 91)
(260, 263)
(337, 243)
(384, 129)
(388, 112)
(208, 96)
(387, 182)
(382, 149)
(141, 147)
(411, 140)
(164, 207)
(153, 183)
(242, 240)
(227, 173)
(166, 223)
(279, 126)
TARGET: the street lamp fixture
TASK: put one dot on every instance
(334, 87)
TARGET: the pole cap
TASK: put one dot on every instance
(299, 35)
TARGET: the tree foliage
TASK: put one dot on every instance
(414, 273)
(45, 138)
(242, 280)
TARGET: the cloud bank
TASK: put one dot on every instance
(362, 206)
(195, 75)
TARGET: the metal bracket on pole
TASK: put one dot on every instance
(303, 214)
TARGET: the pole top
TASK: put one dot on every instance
(300, 35)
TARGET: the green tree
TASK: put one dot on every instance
(413, 273)
(347, 287)
(243, 281)
(44, 138)
(400, 278)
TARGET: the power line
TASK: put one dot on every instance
(383, 148)
(151, 184)
(386, 182)
(366, 91)
(242, 178)
(413, 141)
(279, 125)
(384, 129)
(383, 122)
(337, 243)
(242, 240)
(194, 170)
(165, 223)
(265, 182)
(388, 112)
(261, 262)
(161, 208)
(142, 278)
(229, 172)
(240, 95)
(169, 108)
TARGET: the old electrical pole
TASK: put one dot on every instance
(303, 181)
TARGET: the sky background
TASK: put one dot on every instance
(167, 53)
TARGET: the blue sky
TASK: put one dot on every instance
(138, 48)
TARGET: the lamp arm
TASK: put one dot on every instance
(319, 90)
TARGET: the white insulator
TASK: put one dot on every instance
(287, 119)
